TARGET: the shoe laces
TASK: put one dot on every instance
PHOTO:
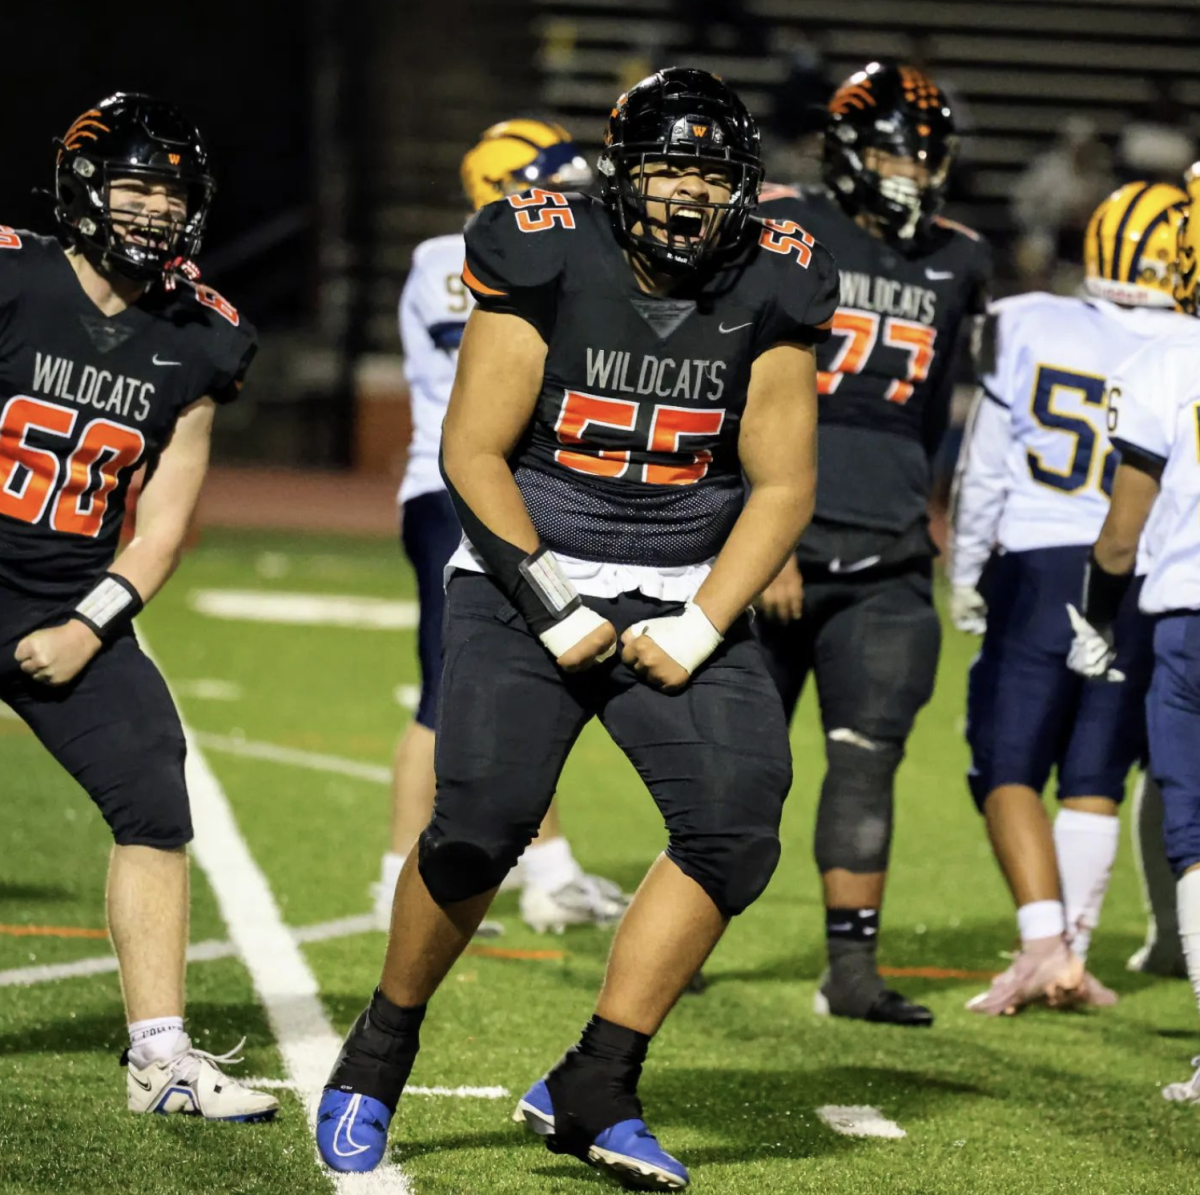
(186, 1065)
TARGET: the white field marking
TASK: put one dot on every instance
(198, 952)
(305, 609)
(283, 980)
(273, 753)
(8, 714)
(454, 1093)
(208, 689)
(407, 696)
(860, 1120)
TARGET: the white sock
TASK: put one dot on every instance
(156, 1040)
(1041, 919)
(550, 865)
(1086, 844)
(1187, 897)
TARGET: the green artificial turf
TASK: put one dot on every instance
(1042, 1103)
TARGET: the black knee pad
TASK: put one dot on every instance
(148, 805)
(456, 870)
(854, 820)
(733, 870)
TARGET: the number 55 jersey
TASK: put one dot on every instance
(631, 457)
(1037, 466)
(86, 400)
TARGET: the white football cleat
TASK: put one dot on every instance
(1185, 1093)
(589, 900)
(192, 1084)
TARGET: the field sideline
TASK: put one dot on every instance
(297, 723)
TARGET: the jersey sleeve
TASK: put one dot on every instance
(231, 350)
(1141, 413)
(805, 300)
(516, 250)
(11, 246)
(980, 489)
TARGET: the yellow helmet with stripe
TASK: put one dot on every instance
(515, 155)
(1187, 278)
(1129, 248)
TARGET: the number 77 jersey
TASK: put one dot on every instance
(86, 400)
(632, 453)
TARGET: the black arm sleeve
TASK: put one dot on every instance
(522, 577)
(1102, 594)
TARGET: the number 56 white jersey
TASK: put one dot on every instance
(1036, 468)
(433, 312)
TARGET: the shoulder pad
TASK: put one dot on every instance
(773, 191)
(229, 341)
(955, 226)
(519, 243)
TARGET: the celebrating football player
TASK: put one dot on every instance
(1033, 488)
(510, 157)
(628, 363)
(854, 605)
(113, 358)
(1154, 420)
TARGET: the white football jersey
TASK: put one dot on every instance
(1154, 404)
(1037, 466)
(433, 311)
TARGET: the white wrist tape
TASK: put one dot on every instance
(563, 636)
(688, 638)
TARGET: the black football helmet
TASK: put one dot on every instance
(680, 115)
(898, 110)
(129, 135)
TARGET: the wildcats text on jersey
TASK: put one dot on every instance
(89, 385)
(888, 296)
(695, 378)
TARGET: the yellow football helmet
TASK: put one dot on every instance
(1187, 265)
(515, 155)
(1130, 245)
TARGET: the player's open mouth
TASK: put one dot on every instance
(686, 224)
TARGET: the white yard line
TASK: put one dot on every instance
(283, 980)
(208, 688)
(198, 952)
(314, 761)
(305, 609)
(454, 1093)
(860, 1120)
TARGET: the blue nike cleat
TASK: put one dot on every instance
(627, 1150)
(352, 1130)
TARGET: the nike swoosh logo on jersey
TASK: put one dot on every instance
(855, 566)
(158, 362)
(938, 275)
(735, 328)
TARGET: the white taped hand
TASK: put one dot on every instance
(968, 610)
(688, 638)
(1092, 653)
(577, 625)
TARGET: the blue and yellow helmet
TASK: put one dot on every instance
(1187, 266)
(515, 155)
(1129, 249)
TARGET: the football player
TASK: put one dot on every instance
(629, 361)
(1033, 487)
(910, 283)
(1154, 420)
(112, 358)
(510, 157)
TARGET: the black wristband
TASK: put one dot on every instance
(109, 607)
(1102, 594)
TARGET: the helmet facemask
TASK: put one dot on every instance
(1187, 260)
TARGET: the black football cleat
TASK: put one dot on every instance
(887, 1007)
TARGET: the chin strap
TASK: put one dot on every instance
(180, 269)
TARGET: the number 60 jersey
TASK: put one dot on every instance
(85, 400)
(631, 456)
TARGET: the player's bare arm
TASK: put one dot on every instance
(56, 655)
(1135, 488)
(495, 392)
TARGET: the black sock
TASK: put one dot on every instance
(594, 1085)
(851, 936)
(379, 1051)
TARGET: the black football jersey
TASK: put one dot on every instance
(631, 457)
(886, 372)
(86, 400)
